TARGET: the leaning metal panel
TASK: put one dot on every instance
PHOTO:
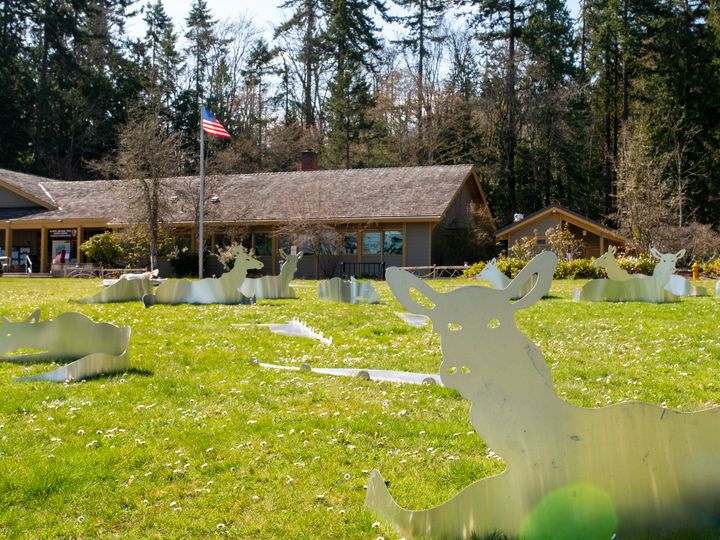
(222, 290)
(88, 349)
(274, 286)
(352, 292)
(404, 377)
(123, 290)
(637, 287)
(631, 469)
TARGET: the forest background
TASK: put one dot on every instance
(614, 113)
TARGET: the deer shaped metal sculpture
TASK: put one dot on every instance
(609, 263)
(497, 279)
(637, 287)
(87, 348)
(274, 286)
(630, 468)
(222, 290)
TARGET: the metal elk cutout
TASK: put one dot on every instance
(620, 286)
(274, 286)
(631, 469)
(88, 349)
(222, 290)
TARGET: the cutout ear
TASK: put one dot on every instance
(680, 254)
(655, 253)
(612, 249)
(542, 267)
(33, 318)
(299, 255)
(402, 282)
(493, 262)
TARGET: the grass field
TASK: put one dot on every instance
(195, 441)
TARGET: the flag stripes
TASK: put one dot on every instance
(211, 126)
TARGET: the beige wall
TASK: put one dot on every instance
(541, 226)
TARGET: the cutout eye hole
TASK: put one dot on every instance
(454, 327)
(494, 323)
(452, 370)
(420, 299)
(465, 370)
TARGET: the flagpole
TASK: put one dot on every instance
(201, 202)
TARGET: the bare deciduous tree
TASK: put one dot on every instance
(146, 155)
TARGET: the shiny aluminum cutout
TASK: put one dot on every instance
(86, 348)
(631, 469)
(222, 290)
(351, 292)
(384, 375)
(498, 280)
(274, 286)
(122, 290)
(634, 287)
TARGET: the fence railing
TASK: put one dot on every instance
(363, 270)
(435, 272)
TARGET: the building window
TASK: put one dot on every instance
(371, 243)
(350, 244)
(263, 245)
(393, 242)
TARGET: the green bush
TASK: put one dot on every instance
(712, 268)
(474, 269)
(104, 249)
(183, 261)
(576, 268)
(642, 264)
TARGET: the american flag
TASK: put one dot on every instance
(211, 126)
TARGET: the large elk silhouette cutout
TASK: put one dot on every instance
(222, 290)
(274, 286)
(630, 468)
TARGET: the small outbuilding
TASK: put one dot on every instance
(595, 236)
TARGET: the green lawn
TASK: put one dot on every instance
(197, 441)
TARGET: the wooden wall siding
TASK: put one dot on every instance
(541, 226)
(8, 199)
(417, 244)
(591, 241)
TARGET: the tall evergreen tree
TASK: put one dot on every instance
(421, 23)
(504, 21)
(353, 43)
(307, 18)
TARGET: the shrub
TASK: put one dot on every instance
(642, 264)
(474, 269)
(104, 249)
(183, 261)
(578, 269)
(712, 268)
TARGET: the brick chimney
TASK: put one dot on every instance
(309, 160)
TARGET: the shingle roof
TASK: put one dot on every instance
(415, 192)
(29, 184)
(535, 216)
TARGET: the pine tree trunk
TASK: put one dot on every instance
(309, 57)
(511, 135)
